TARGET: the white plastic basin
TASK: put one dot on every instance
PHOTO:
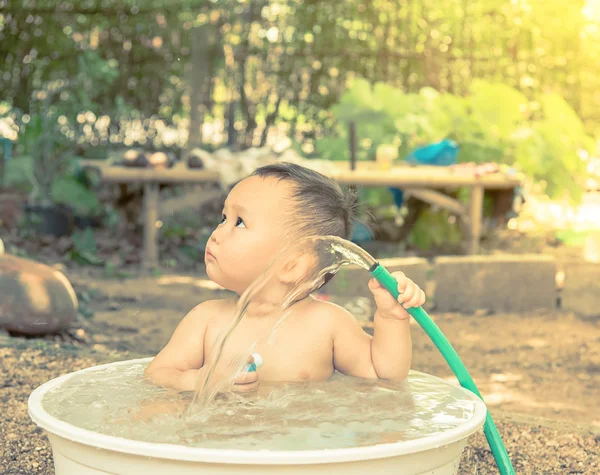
(82, 452)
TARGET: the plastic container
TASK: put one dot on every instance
(81, 452)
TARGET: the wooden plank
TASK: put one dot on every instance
(407, 177)
(151, 198)
(117, 174)
(365, 175)
(439, 199)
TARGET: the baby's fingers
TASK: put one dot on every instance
(246, 377)
(401, 279)
(417, 300)
(408, 293)
(246, 382)
(246, 388)
(374, 284)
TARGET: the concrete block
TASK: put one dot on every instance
(415, 268)
(500, 283)
(349, 286)
(581, 288)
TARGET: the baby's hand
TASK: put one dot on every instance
(246, 381)
(388, 307)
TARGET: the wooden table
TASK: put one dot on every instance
(420, 181)
(151, 179)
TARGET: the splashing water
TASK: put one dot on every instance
(316, 260)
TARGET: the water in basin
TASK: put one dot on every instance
(340, 413)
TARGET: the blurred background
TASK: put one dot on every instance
(513, 82)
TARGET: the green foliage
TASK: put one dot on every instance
(136, 56)
(17, 172)
(336, 148)
(48, 148)
(65, 189)
(68, 191)
(493, 123)
(376, 197)
(434, 229)
(84, 308)
(111, 271)
(541, 137)
(52, 125)
(496, 110)
(475, 72)
(573, 237)
(84, 248)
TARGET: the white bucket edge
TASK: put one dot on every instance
(231, 456)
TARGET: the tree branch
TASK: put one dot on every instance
(270, 120)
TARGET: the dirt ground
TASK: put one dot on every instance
(539, 373)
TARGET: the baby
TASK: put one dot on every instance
(263, 214)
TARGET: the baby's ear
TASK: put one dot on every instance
(297, 268)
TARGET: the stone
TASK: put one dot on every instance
(36, 299)
(159, 160)
(351, 283)
(198, 158)
(500, 283)
(581, 288)
(134, 158)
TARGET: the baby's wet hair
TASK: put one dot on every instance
(322, 207)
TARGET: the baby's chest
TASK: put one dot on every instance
(289, 354)
(293, 357)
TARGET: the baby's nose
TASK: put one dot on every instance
(214, 237)
(218, 235)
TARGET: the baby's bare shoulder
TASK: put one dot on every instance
(214, 304)
(211, 310)
(331, 313)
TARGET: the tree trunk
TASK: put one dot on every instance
(270, 121)
(200, 82)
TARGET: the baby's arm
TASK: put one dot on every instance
(385, 355)
(179, 363)
(388, 354)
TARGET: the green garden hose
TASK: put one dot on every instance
(456, 365)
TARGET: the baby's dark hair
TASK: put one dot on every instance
(323, 208)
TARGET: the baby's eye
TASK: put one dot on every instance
(223, 218)
(240, 222)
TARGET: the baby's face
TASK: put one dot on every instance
(251, 234)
